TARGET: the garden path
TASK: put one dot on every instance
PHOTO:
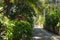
(41, 34)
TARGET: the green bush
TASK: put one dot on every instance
(17, 30)
(51, 19)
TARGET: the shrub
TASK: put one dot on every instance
(51, 19)
(17, 30)
(58, 14)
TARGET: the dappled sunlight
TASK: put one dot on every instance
(36, 37)
(1, 8)
(41, 34)
(29, 19)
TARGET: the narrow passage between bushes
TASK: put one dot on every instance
(40, 34)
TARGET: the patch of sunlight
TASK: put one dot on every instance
(37, 26)
(6, 20)
(54, 38)
(36, 9)
(58, 24)
(1, 8)
(0, 15)
(37, 37)
(12, 1)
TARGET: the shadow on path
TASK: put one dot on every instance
(40, 34)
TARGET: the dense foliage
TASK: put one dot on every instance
(53, 17)
(17, 19)
(17, 30)
(52, 20)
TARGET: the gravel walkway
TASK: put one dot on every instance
(40, 34)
